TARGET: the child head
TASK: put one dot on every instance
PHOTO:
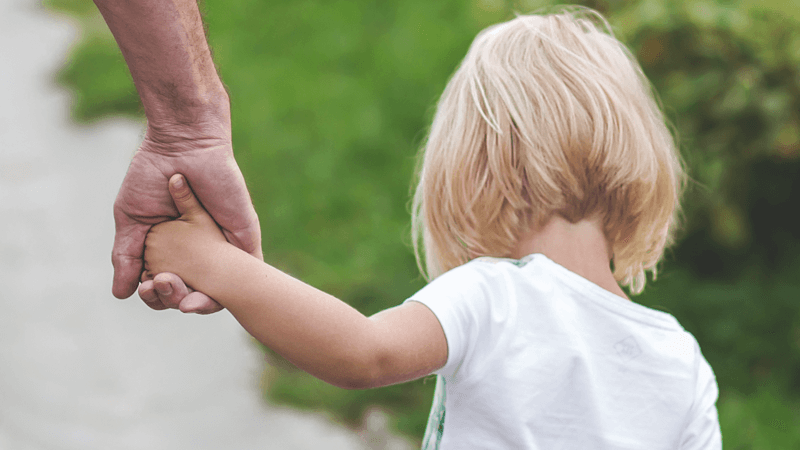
(547, 115)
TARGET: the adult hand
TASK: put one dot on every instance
(144, 200)
(188, 116)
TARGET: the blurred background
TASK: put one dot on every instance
(331, 101)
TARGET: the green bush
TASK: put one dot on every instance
(761, 421)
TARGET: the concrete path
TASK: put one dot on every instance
(80, 369)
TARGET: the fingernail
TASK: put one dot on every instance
(179, 182)
(164, 290)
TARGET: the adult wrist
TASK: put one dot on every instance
(190, 124)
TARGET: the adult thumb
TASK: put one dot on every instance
(183, 196)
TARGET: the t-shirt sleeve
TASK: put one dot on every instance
(703, 430)
(468, 302)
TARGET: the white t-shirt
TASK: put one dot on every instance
(541, 358)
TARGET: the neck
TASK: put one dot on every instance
(580, 247)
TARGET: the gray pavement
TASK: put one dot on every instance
(80, 369)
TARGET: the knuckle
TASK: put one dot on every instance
(163, 278)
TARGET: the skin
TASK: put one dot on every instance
(188, 131)
(143, 201)
(581, 247)
(319, 333)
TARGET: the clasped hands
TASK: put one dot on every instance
(144, 200)
(186, 246)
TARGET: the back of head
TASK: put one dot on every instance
(547, 115)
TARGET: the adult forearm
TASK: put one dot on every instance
(164, 45)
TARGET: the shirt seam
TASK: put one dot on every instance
(630, 309)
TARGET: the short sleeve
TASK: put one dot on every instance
(467, 304)
(703, 430)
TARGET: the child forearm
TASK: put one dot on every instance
(320, 334)
(317, 332)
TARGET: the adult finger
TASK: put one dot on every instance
(248, 240)
(148, 294)
(199, 303)
(170, 289)
(219, 184)
(126, 255)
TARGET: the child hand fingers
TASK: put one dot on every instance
(184, 197)
(147, 293)
(199, 303)
(170, 289)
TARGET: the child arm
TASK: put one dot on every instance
(317, 332)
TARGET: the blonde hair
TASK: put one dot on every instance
(547, 115)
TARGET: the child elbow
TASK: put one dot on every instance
(358, 375)
(353, 384)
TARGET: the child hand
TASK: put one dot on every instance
(184, 246)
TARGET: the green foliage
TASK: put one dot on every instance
(99, 96)
(761, 421)
(729, 75)
(748, 329)
(75, 8)
(330, 101)
(408, 402)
